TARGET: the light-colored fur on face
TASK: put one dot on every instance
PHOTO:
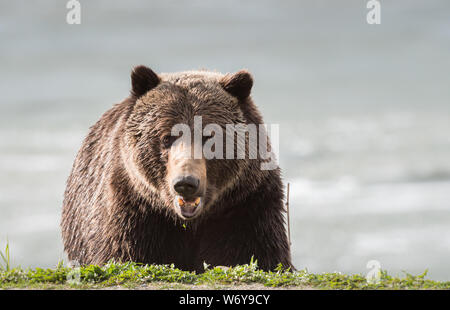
(181, 163)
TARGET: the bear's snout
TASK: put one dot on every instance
(187, 181)
(189, 196)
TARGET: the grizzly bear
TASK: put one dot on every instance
(131, 196)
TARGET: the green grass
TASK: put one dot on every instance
(6, 258)
(132, 275)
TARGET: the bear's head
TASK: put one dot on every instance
(175, 120)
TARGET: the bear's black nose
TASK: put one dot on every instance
(186, 185)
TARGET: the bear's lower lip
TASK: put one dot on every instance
(188, 207)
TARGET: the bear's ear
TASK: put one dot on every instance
(142, 80)
(238, 84)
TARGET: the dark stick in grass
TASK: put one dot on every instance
(287, 210)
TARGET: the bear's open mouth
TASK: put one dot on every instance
(188, 207)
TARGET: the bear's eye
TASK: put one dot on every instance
(167, 141)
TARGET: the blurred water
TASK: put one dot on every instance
(363, 113)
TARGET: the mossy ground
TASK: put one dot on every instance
(137, 276)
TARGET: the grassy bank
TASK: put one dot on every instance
(135, 276)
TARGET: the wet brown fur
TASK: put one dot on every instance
(118, 204)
